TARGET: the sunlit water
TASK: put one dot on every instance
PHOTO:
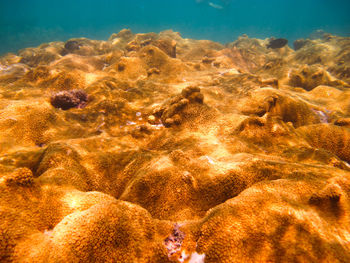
(25, 23)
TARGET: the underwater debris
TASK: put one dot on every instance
(69, 99)
(277, 43)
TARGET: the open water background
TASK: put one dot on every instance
(26, 23)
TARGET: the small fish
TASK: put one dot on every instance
(277, 43)
(216, 6)
(72, 45)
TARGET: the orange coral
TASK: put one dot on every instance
(186, 150)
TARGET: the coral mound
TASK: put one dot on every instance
(69, 99)
(155, 148)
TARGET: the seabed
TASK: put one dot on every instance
(155, 148)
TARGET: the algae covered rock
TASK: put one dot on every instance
(69, 99)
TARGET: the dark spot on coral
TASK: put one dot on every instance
(141, 131)
(151, 51)
(327, 201)
(69, 99)
(207, 60)
(342, 122)
(252, 121)
(121, 67)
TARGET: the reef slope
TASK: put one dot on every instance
(155, 148)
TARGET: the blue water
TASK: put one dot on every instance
(25, 23)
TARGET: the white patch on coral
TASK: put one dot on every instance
(158, 126)
(130, 123)
(231, 71)
(2, 67)
(197, 258)
(186, 173)
(48, 232)
(193, 258)
(116, 41)
(207, 158)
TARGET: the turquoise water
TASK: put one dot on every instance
(25, 23)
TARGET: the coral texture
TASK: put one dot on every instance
(69, 99)
(175, 150)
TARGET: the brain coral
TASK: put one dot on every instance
(157, 148)
(237, 231)
(113, 231)
(332, 138)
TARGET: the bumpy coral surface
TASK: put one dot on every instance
(155, 148)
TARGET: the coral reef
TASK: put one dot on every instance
(69, 99)
(156, 148)
(21, 177)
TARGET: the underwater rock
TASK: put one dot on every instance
(168, 46)
(124, 34)
(309, 77)
(69, 99)
(329, 53)
(37, 56)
